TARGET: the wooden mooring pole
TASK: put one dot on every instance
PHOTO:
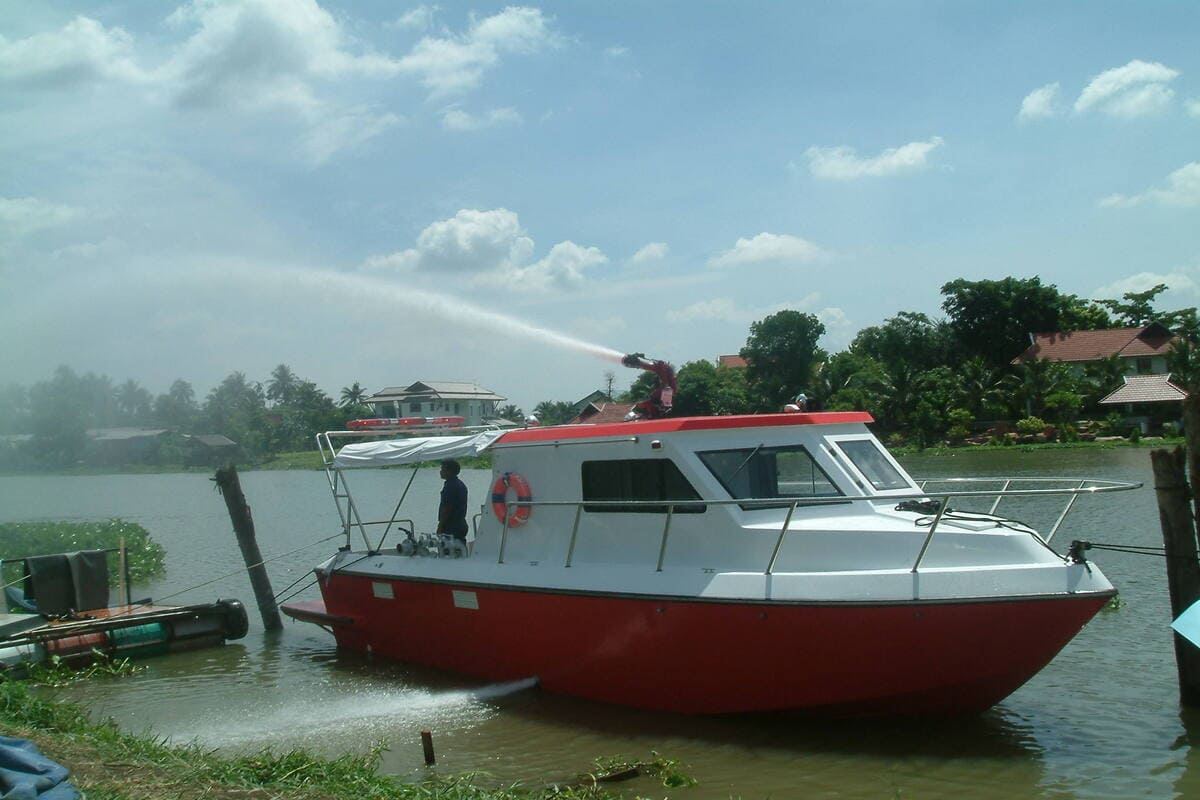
(243, 526)
(1175, 497)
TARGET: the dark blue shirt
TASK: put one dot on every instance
(453, 508)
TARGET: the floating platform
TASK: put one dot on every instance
(125, 631)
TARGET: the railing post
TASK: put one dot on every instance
(929, 536)
(1063, 515)
(779, 542)
(999, 497)
(662, 548)
(574, 533)
(504, 534)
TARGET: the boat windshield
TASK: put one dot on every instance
(873, 464)
(760, 472)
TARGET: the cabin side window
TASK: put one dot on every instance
(764, 472)
(872, 463)
(638, 479)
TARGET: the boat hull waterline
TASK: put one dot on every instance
(712, 656)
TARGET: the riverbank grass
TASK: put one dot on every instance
(108, 764)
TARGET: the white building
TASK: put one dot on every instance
(437, 399)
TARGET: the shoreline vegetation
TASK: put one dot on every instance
(106, 763)
(311, 459)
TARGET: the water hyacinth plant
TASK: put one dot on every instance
(145, 556)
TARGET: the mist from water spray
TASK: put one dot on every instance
(357, 709)
(448, 308)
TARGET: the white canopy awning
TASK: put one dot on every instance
(395, 452)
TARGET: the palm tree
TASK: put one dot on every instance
(512, 413)
(133, 402)
(1036, 380)
(981, 388)
(353, 395)
(282, 384)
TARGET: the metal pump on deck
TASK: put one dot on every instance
(658, 404)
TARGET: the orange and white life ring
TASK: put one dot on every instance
(516, 482)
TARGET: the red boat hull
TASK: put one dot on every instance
(698, 656)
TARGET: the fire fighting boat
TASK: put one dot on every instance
(712, 565)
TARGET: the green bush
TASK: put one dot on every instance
(146, 558)
(1031, 425)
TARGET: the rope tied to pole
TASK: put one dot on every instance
(1133, 549)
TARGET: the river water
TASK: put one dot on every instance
(1101, 721)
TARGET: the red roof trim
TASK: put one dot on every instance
(671, 425)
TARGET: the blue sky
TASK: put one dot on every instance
(382, 193)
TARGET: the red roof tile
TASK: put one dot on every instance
(731, 361)
(601, 413)
(1093, 345)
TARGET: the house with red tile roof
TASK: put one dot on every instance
(599, 412)
(1143, 349)
(734, 361)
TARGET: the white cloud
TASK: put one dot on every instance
(1193, 108)
(344, 130)
(724, 309)
(655, 251)
(471, 241)
(1040, 103)
(491, 249)
(455, 63)
(416, 19)
(719, 308)
(1177, 281)
(455, 119)
(841, 163)
(262, 53)
(1134, 90)
(86, 251)
(20, 216)
(1182, 189)
(766, 247)
(562, 268)
(839, 329)
(82, 52)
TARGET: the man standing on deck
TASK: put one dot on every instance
(452, 512)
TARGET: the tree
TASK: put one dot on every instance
(353, 395)
(14, 409)
(707, 390)
(993, 319)
(282, 383)
(133, 402)
(850, 381)
(307, 412)
(980, 389)
(237, 408)
(511, 413)
(1101, 377)
(60, 414)
(640, 389)
(1136, 309)
(178, 407)
(779, 353)
(554, 412)
(909, 337)
(1036, 380)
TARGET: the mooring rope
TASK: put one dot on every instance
(262, 563)
(137, 606)
(1138, 550)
